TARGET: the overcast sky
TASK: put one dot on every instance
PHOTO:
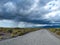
(29, 12)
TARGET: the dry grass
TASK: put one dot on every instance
(14, 32)
(55, 30)
(6, 33)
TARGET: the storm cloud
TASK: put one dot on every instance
(30, 12)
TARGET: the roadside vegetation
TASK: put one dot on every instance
(55, 30)
(6, 33)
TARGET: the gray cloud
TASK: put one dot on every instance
(29, 11)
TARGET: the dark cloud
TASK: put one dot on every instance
(30, 11)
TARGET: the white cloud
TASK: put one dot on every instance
(52, 5)
(13, 24)
(27, 25)
(53, 16)
(8, 23)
